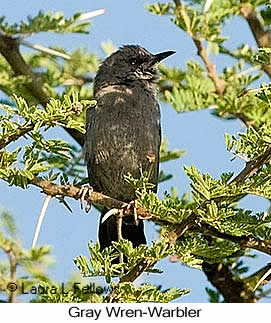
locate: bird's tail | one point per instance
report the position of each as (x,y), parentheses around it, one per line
(131,231)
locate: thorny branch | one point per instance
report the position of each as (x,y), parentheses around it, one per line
(189,224)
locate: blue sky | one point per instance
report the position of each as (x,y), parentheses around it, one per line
(199,133)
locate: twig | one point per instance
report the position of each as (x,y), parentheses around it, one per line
(10,250)
(131,276)
(243,117)
(218,83)
(252,167)
(78,80)
(119,226)
(20,132)
(207,5)
(40,220)
(247,71)
(237,155)
(109,213)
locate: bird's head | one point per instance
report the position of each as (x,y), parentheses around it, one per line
(131,63)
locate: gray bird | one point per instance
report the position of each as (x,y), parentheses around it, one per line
(122,131)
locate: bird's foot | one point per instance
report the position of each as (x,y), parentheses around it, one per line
(133,205)
(85,191)
(120,213)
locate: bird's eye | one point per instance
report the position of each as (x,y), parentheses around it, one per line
(133,62)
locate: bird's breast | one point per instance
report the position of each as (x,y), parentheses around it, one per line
(124,131)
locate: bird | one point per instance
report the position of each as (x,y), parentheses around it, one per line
(122,132)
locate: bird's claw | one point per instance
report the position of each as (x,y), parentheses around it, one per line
(85,190)
(120,212)
(133,204)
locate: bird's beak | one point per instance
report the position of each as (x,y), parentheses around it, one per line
(159,57)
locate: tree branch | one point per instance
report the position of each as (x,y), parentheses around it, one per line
(190,223)
(138,270)
(9,48)
(252,167)
(131,276)
(20,131)
(233,290)
(222,279)
(74,192)
(244,241)
(43,49)
(262,37)
(218,83)
(219,274)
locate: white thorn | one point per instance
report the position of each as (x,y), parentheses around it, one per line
(207,6)
(91,14)
(40,220)
(109,213)
(45,49)
(262,279)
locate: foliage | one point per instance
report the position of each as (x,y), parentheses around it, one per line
(46,22)
(103,263)
(35,122)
